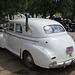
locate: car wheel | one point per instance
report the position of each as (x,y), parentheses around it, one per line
(28,60)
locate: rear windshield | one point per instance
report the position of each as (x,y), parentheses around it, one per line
(53,29)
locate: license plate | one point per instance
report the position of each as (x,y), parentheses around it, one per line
(69,50)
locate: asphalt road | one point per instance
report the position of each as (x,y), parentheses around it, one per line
(12,65)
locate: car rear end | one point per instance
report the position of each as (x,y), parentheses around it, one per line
(61,45)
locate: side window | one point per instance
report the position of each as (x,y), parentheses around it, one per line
(18,28)
(11,27)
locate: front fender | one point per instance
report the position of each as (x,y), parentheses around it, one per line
(40,56)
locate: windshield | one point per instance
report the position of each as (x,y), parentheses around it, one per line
(53,29)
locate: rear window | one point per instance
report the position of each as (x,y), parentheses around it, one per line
(53,29)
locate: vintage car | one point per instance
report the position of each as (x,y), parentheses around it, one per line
(41,42)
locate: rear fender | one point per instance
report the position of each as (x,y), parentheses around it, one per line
(40,56)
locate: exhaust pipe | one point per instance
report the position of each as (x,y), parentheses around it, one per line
(27,16)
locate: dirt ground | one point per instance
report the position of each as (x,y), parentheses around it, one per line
(12,65)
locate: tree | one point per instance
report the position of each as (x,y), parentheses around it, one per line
(41,7)
(12,7)
(73,11)
(44,7)
(65,7)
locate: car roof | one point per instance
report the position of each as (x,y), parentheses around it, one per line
(36,25)
(36,21)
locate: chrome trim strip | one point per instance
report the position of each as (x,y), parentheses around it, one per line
(21,37)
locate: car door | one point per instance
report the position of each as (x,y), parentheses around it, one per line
(17,38)
(9,37)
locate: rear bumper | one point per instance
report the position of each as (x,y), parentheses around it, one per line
(63,64)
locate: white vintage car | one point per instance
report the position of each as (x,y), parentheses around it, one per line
(42,42)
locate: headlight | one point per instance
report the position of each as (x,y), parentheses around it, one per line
(48,29)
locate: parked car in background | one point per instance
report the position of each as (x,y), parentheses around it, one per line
(72,25)
(41,42)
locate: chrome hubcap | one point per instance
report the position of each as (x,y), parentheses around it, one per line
(29,59)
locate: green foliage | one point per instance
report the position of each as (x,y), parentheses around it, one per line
(66,7)
(44,7)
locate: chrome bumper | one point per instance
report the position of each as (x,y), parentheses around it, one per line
(64,64)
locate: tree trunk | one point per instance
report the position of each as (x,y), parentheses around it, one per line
(13,17)
(36,15)
(44,15)
(10,16)
(51,15)
(32,15)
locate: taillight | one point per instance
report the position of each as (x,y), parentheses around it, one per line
(46,42)
(53,57)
